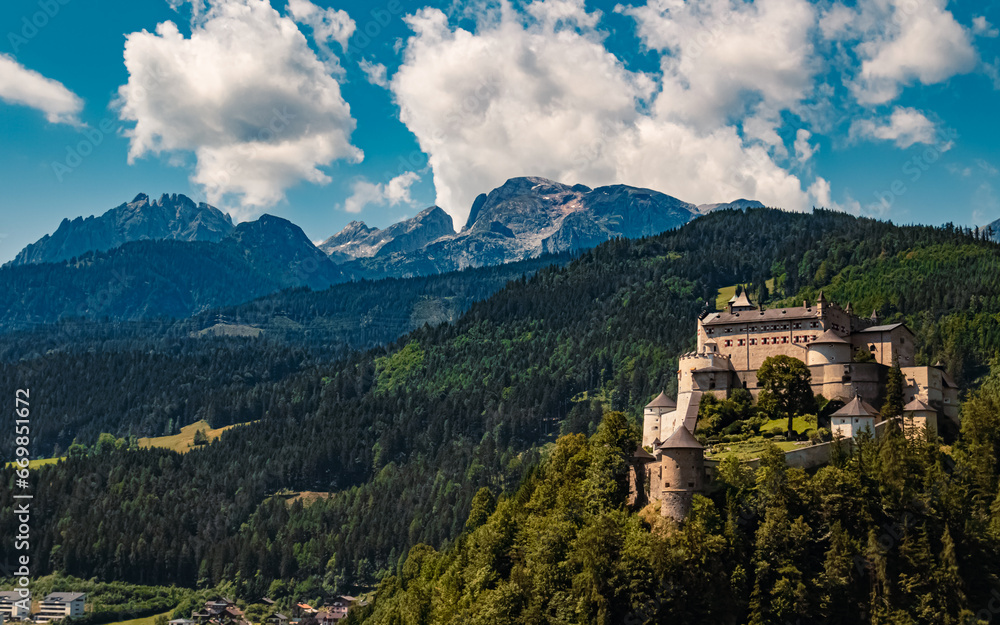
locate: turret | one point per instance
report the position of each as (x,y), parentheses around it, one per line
(652,418)
(918,417)
(828,348)
(682,473)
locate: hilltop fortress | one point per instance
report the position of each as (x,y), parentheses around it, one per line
(831,340)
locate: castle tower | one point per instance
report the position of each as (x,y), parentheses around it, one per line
(682,473)
(828,348)
(652,418)
(917,417)
(638,476)
(854,418)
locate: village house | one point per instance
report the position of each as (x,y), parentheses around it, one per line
(13,606)
(59,605)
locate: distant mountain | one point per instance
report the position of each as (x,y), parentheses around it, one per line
(165,278)
(740,204)
(358,240)
(994,228)
(174,217)
(522,219)
(279,250)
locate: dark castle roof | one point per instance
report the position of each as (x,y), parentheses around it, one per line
(642,454)
(917,406)
(857,407)
(681,439)
(662,401)
(828,337)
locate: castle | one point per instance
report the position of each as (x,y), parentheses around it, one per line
(832,341)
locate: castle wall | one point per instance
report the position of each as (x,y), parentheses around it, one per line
(842,381)
(930,386)
(887,347)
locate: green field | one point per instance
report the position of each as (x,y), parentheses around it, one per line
(800,424)
(149,620)
(726,293)
(748,450)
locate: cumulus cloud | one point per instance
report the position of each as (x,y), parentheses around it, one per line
(803,149)
(392,193)
(539,94)
(905,127)
(328,26)
(900,42)
(721,57)
(982,28)
(19,85)
(245,93)
(375,72)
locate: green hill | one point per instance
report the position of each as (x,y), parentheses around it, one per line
(404,436)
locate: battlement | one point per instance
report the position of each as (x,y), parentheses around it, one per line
(703,355)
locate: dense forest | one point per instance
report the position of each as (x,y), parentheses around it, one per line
(898,532)
(151,377)
(404,436)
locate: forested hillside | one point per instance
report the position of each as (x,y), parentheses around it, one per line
(405,436)
(152,377)
(895,533)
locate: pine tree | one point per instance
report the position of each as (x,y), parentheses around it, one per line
(893,406)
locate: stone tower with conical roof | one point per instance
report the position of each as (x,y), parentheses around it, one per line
(652,418)
(678,473)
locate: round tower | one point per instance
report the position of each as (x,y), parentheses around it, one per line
(652,418)
(828,348)
(682,473)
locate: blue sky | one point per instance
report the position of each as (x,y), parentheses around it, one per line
(331,111)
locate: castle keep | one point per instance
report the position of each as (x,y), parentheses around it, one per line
(733,344)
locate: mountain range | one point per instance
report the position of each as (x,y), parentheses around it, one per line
(174,258)
(523,218)
(174,217)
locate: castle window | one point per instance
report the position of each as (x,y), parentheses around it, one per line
(729,343)
(729,329)
(753,341)
(741,342)
(763,341)
(690,484)
(710,331)
(784,339)
(797,326)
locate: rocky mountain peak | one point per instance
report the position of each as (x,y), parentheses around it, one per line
(171,217)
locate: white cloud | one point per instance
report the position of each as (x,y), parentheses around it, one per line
(556,13)
(982,28)
(392,193)
(906,126)
(899,42)
(530,96)
(245,93)
(328,26)
(722,57)
(803,149)
(376,72)
(19,85)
